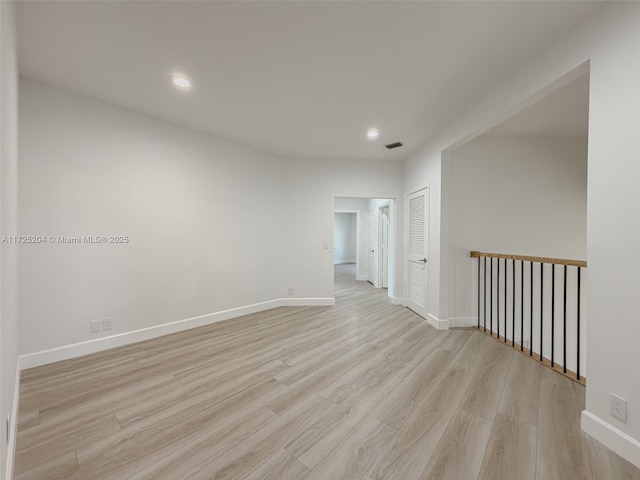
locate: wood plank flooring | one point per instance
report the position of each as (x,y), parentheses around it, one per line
(364,390)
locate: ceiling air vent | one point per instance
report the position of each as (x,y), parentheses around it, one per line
(394,145)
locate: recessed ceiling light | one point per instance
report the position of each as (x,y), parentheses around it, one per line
(181,82)
(372,133)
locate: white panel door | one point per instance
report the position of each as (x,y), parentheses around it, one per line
(371,243)
(417,248)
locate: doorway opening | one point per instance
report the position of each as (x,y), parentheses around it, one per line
(345,237)
(364,238)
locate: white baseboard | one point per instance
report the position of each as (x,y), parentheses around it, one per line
(13,426)
(97,345)
(361,278)
(307,302)
(462,322)
(437,323)
(341,262)
(397,300)
(613,438)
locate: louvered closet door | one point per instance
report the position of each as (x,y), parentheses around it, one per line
(417,212)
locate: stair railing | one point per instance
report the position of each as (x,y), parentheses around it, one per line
(526,313)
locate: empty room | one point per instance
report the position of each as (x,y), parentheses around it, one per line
(320,240)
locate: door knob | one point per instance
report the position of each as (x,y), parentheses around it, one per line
(423,260)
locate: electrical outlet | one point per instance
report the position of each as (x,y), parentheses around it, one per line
(290,291)
(619,407)
(94,326)
(325,245)
(107,323)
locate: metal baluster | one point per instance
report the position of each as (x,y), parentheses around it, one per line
(491,298)
(498,299)
(513,302)
(578,340)
(484,318)
(478,292)
(564,323)
(506,271)
(531,317)
(541,306)
(522,305)
(553,302)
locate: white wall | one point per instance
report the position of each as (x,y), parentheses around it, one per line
(212,225)
(345,238)
(8,225)
(605,45)
(203,216)
(515,195)
(613,232)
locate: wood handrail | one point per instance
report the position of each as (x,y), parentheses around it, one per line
(557,261)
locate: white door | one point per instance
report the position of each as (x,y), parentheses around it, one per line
(416,254)
(383,235)
(371,245)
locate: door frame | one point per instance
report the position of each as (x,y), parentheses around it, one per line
(372,261)
(380,255)
(394,292)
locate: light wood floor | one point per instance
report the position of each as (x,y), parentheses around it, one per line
(363,390)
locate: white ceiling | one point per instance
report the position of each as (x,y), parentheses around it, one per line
(563,114)
(301,79)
